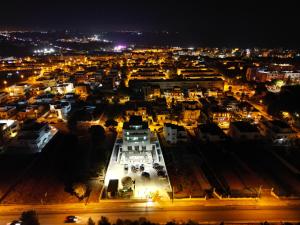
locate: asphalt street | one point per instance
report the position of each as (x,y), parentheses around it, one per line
(161,213)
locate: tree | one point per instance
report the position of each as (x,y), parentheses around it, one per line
(72,122)
(146,175)
(127,182)
(260,90)
(30,218)
(111,123)
(90,221)
(97,132)
(79,189)
(103,221)
(119,222)
(1,136)
(242,96)
(171,223)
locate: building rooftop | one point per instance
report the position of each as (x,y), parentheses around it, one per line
(174,126)
(280,124)
(243,126)
(6,108)
(248,106)
(211,128)
(135,122)
(177,80)
(33,126)
(217,109)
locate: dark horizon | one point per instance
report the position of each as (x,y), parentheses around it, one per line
(249,23)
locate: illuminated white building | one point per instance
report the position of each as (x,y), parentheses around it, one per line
(8,128)
(285,72)
(174,133)
(135,153)
(136,146)
(61,109)
(64,88)
(32,138)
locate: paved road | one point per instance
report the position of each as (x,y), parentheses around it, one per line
(52,215)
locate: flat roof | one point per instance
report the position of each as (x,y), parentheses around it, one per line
(245,127)
(211,128)
(33,126)
(280,124)
(176,80)
(174,126)
(135,121)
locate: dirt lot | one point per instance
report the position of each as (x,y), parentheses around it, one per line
(273,173)
(229,175)
(11,168)
(184,169)
(233,169)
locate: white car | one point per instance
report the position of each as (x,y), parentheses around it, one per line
(15,222)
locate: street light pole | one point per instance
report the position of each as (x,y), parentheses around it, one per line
(259,191)
(172,193)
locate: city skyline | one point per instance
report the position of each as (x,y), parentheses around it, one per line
(213,23)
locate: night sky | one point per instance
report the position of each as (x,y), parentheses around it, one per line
(244,23)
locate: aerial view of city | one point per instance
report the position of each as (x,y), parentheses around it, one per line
(149,112)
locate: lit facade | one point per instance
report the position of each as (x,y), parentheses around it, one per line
(174,133)
(136,153)
(61,109)
(31,139)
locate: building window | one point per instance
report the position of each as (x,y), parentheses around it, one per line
(129,148)
(136,148)
(143,147)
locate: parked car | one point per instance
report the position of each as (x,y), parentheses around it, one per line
(161,174)
(15,222)
(134,169)
(142,167)
(71,219)
(146,175)
(126,167)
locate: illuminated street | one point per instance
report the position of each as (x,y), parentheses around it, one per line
(163,213)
